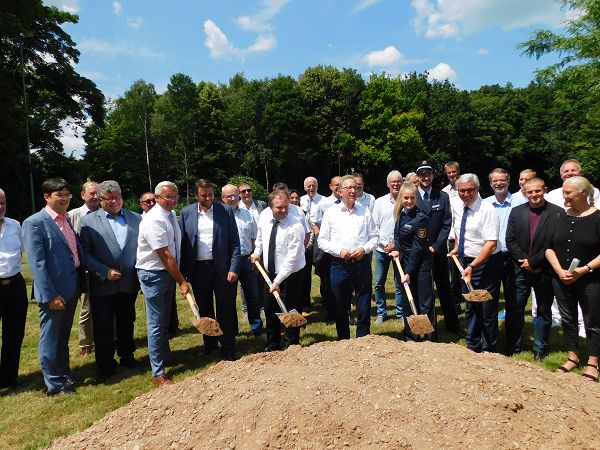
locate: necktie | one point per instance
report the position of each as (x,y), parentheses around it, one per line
(426,197)
(271,262)
(308,205)
(461,238)
(174,225)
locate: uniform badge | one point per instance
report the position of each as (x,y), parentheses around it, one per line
(422,233)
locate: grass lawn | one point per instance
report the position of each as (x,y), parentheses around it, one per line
(32,420)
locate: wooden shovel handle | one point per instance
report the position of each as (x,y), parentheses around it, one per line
(193,305)
(462,271)
(269,283)
(411,300)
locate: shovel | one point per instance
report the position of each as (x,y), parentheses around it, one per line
(291,319)
(474,295)
(204,325)
(418,323)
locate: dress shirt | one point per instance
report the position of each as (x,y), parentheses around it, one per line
(482,225)
(252,209)
(315,211)
(247,230)
(62,221)
(555,197)
(450,190)
(119,227)
(157,232)
(383,216)
(347,228)
(295,211)
(11,246)
(422,193)
(205,234)
(518,198)
(326,203)
(366,200)
(503,211)
(289,245)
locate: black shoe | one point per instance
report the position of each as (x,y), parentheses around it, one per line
(176,333)
(63,391)
(70,382)
(10,384)
(539,356)
(206,352)
(229,356)
(272,348)
(129,362)
(351,320)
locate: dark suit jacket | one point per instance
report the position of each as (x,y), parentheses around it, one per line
(226,241)
(50,259)
(103,252)
(517,235)
(439,218)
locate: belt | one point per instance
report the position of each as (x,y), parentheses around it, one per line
(204,261)
(8,280)
(246,256)
(346,261)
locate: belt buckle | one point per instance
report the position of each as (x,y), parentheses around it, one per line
(5,282)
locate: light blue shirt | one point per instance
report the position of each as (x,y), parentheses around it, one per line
(503,211)
(246,229)
(119,227)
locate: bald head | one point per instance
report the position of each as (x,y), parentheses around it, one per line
(230,194)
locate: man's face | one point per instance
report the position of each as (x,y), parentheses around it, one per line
(2,206)
(569,170)
(231,197)
(534,192)
(147,202)
(523,178)
(310,187)
(59,200)
(360,184)
(246,193)
(90,196)
(499,183)
(425,178)
(452,173)
(167,198)
(467,192)
(408,198)
(349,192)
(334,186)
(280,207)
(295,199)
(206,197)
(112,202)
(394,185)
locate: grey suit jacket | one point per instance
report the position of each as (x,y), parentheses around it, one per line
(75,215)
(103,252)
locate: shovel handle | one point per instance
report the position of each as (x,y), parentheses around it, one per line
(406,287)
(462,272)
(193,305)
(269,283)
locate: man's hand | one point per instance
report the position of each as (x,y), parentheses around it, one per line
(57,304)
(274,288)
(184,288)
(357,253)
(345,254)
(113,275)
(232,277)
(394,254)
(254,257)
(405,278)
(389,247)
(432,250)
(467,274)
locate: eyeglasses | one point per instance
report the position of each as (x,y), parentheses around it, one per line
(61,195)
(150,201)
(232,197)
(350,188)
(467,191)
(246,191)
(169,198)
(116,198)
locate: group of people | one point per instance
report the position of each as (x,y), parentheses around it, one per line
(102,254)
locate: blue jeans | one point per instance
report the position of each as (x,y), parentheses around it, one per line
(158,287)
(249,284)
(382,265)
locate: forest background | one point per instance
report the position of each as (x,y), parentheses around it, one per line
(326,122)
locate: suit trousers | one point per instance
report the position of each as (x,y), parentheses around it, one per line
(291,295)
(323,270)
(482,317)
(13,312)
(55,329)
(307,281)
(421,286)
(205,283)
(117,309)
(86,327)
(441,276)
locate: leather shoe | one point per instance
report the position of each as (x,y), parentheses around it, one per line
(272,348)
(538,356)
(63,391)
(130,362)
(162,380)
(206,352)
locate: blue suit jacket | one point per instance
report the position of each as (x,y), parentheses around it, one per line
(50,260)
(103,252)
(226,241)
(439,218)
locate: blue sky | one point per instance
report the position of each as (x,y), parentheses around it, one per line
(470,42)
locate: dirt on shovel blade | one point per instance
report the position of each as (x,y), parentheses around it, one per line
(208,326)
(478,295)
(293,320)
(419,324)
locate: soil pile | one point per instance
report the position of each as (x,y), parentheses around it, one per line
(374,392)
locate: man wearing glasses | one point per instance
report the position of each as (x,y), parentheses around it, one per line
(109,239)
(476,226)
(157,261)
(255,207)
(55,259)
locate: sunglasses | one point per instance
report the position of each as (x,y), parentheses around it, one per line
(244,191)
(149,202)
(467,191)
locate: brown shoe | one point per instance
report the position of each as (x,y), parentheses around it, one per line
(162,380)
(85,352)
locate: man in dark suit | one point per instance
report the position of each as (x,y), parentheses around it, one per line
(436,204)
(528,227)
(109,239)
(56,263)
(210,259)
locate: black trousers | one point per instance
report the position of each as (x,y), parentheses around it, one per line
(307,280)
(323,270)
(106,310)
(13,312)
(441,276)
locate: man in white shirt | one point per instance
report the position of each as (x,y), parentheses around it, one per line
(570,168)
(383,216)
(13,297)
(280,242)
(349,235)
(158,253)
(476,225)
(452,171)
(255,207)
(335,196)
(363,198)
(147,201)
(519,198)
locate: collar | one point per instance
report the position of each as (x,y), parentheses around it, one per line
(210,210)
(507,200)
(53,214)
(475,204)
(422,192)
(110,216)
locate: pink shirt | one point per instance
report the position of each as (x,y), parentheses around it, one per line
(62,220)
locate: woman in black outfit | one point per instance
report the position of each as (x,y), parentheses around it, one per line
(577,235)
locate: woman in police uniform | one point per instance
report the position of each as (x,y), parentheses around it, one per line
(410,241)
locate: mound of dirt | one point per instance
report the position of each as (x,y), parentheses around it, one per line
(374,392)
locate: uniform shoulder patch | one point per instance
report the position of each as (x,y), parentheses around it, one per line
(422,232)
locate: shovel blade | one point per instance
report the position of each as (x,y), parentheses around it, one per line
(208,326)
(420,324)
(292,319)
(478,295)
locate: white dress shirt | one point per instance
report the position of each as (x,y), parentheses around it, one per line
(518,199)
(482,225)
(383,216)
(252,209)
(450,190)
(247,230)
(315,211)
(326,203)
(156,231)
(205,235)
(366,200)
(295,211)
(11,246)
(347,228)
(289,245)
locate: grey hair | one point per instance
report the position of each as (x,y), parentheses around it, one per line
(582,185)
(2,192)
(162,184)
(307,179)
(108,186)
(344,178)
(393,173)
(468,178)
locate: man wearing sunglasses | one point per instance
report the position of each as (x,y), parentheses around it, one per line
(147,201)
(255,207)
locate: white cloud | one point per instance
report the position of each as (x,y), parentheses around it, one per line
(441,72)
(453,19)
(95,76)
(71,139)
(220,47)
(364,4)
(135,22)
(387,57)
(117,8)
(259,22)
(117,48)
(482,52)
(70,6)
(262,44)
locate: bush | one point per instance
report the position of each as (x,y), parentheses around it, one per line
(258,190)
